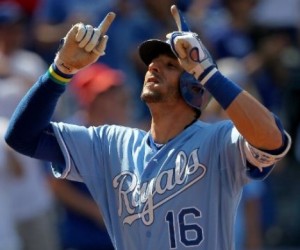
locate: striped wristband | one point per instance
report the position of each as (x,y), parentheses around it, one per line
(57,76)
(222,89)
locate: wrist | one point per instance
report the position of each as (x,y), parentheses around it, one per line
(206,74)
(58,76)
(64,68)
(222,89)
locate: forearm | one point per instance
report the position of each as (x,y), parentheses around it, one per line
(33,114)
(252,119)
(255,122)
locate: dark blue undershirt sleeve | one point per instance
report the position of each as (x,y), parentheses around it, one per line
(30,131)
(48,148)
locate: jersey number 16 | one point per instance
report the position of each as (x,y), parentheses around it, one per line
(189,234)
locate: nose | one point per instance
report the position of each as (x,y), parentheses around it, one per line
(153,66)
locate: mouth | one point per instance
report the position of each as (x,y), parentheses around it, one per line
(152,79)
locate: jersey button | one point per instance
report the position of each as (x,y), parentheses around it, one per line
(148,234)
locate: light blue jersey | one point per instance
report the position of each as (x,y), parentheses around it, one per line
(182,196)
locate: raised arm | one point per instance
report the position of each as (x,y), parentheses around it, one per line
(265,141)
(30,131)
(257,124)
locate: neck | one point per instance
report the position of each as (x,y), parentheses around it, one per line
(167,124)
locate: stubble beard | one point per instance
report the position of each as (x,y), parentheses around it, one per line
(151,97)
(157,97)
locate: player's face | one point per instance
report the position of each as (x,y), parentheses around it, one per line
(161,82)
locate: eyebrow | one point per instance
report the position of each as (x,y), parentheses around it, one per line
(175,61)
(172,59)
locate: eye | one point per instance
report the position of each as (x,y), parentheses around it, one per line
(171,65)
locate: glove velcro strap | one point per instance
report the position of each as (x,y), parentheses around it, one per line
(222,89)
(207,73)
(57,76)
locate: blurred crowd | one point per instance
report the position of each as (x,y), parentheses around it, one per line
(256,43)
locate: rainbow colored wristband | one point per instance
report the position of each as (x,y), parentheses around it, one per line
(222,89)
(57,76)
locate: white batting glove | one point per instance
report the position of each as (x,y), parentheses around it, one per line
(192,55)
(82,46)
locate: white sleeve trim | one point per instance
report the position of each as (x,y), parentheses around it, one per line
(262,159)
(64,149)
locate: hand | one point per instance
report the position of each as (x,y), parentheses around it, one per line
(192,54)
(83,45)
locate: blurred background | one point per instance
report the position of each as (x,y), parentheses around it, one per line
(256,43)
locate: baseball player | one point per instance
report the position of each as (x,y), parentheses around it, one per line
(176,186)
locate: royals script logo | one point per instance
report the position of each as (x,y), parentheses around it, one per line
(132,194)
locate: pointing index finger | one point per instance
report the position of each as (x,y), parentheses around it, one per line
(176,16)
(105,24)
(179,19)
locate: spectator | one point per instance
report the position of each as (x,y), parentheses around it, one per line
(27,212)
(32,207)
(9,237)
(18,66)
